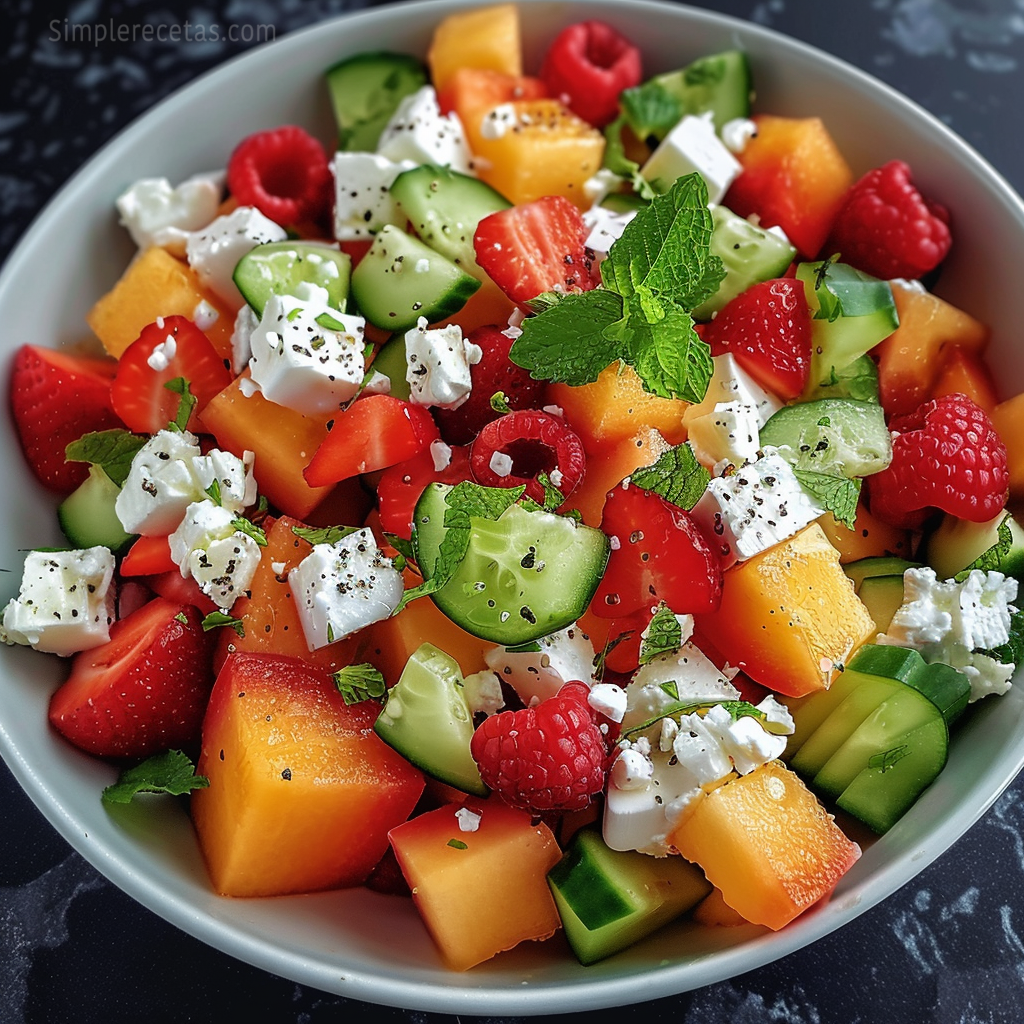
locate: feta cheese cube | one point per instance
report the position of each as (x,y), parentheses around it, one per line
(605,227)
(214,252)
(65,603)
(363,203)
(731,383)
(482,691)
(692,145)
(229,475)
(438,363)
(754,507)
(537,675)
(420,133)
(341,587)
(730,433)
(609,700)
(307,357)
(156,213)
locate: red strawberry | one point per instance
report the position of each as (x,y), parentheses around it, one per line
(550,757)
(495,372)
(56,398)
(168,348)
(284,173)
(587,67)
(142,692)
(768,330)
(400,487)
(886,228)
(535,442)
(946,455)
(535,247)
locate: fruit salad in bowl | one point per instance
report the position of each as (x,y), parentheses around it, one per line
(529,512)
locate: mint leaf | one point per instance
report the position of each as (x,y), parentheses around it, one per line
(243,525)
(330,323)
(357,683)
(835,494)
(180,386)
(670,358)
(991,558)
(214,491)
(664,635)
(170,772)
(616,161)
(499,403)
(402,546)
(677,476)
(112,450)
(214,620)
(553,497)
(324,534)
(650,109)
(842,290)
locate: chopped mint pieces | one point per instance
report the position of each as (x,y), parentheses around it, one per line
(171,772)
(361,682)
(112,450)
(677,476)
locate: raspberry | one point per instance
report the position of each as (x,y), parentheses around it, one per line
(534,442)
(284,173)
(945,455)
(550,757)
(887,229)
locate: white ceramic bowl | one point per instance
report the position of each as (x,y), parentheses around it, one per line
(357,943)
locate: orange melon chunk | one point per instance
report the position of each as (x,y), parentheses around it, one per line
(789,617)
(1008,419)
(481,892)
(767,844)
(965,372)
(868,538)
(486,38)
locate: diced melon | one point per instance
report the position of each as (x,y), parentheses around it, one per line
(1008,419)
(965,372)
(487,38)
(158,284)
(868,538)
(714,912)
(789,617)
(767,844)
(484,891)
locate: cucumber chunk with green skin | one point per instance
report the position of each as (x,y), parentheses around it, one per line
(391,360)
(609,899)
(87,515)
(749,254)
(957,543)
(365,92)
(877,565)
(882,596)
(401,279)
(831,435)
(852,312)
(444,208)
(858,380)
(281,268)
(524,575)
(427,720)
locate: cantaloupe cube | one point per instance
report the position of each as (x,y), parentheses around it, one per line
(1008,419)
(868,538)
(487,38)
(714,912)
(965,372)
(302,791)
(767,844)
(911,359)
(484,891)
(789,617)
(157,284)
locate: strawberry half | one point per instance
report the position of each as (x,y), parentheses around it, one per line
(55,398)
(142,692)
(535,247)
(167,348)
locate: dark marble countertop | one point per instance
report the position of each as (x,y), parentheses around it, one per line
(947,948)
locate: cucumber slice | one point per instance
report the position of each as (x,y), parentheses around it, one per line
(882,595)
(852,313)
(749,254)
(858,380)
(87,514)
(365,92)
(427,720)
(832,435)
(444,208)
(279,268)
(877,565)
(609,899)
(525,574)
(401,279)
(956,543)
(392,361)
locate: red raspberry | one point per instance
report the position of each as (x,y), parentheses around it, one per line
(886,228)
(495,372)
(536,442)
(945,455)
(550,757)
(284,173)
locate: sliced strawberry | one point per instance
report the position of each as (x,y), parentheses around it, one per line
(167,348)
(768,330)
(148,556)
(142,692)
(56,398)
(179,589)
(535,247)
(400,487)
(495,372)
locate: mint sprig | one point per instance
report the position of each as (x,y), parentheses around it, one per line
(836,494)
(171,772)
(180,386)
(112,450)
(676,475)
(664,635)
(357,683)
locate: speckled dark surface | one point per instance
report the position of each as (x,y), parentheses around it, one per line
(947,948)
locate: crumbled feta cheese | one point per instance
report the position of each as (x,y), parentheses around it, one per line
(596,187)
(246,321)
(604,227)
(230,475)
(420,133)
(693,145)
(737,133)
(441,454)
(482,691)
(468,819)
(609,700)
(536,675)
(208,547)
(156,213)
(438,362)
(730,432)
(752,508)
(631,770)
(363,203)
(65,603)
(341,587)
(949,621)
(163,354)
(499,121)
(307,356)
(204,316)
(500,464)
(731,383)
(377,384)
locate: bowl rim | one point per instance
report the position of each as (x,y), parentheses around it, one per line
(516,997)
